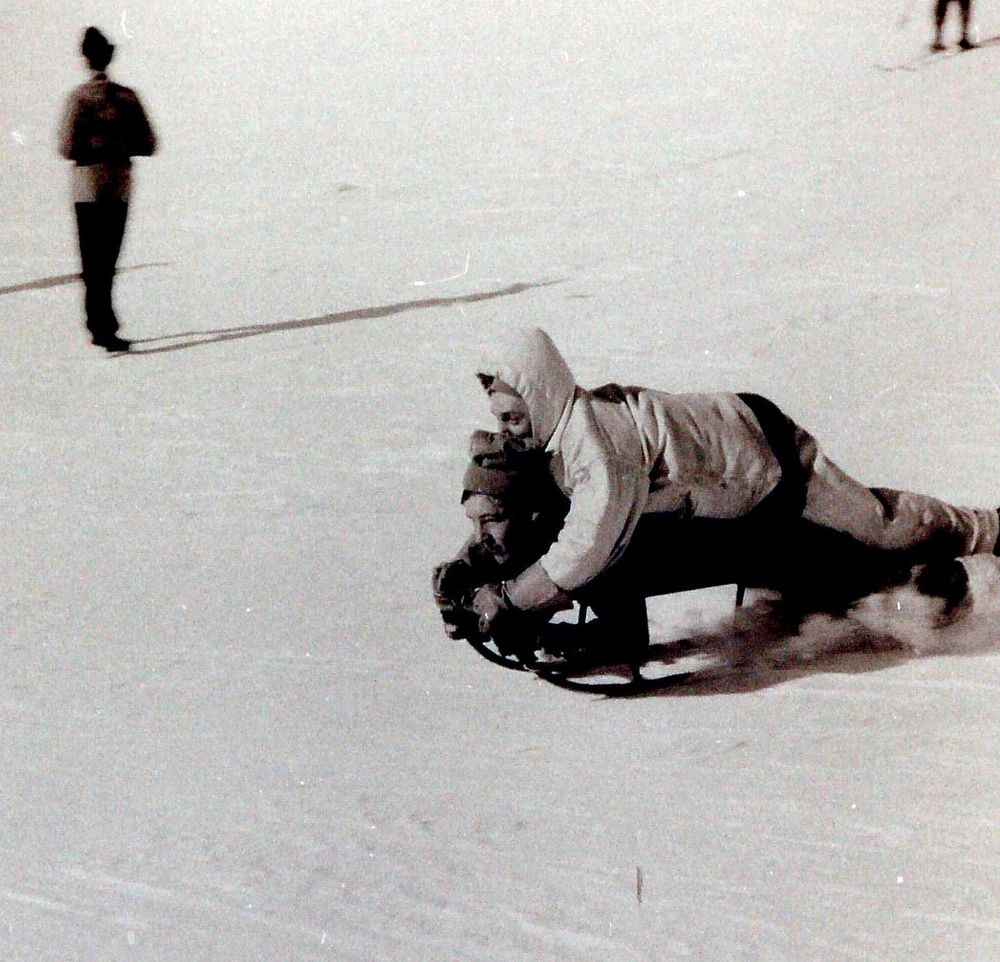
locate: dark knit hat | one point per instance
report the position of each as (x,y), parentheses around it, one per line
(97,49)
(502,469)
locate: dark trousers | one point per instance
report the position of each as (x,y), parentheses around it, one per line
(941,8)
(101,228)
(813,568)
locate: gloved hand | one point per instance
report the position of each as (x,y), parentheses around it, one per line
(512,631)
(489,603)
(453,584)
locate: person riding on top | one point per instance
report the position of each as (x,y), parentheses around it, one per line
(627,457)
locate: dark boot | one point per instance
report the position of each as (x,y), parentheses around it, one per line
(949,581)
(113,344)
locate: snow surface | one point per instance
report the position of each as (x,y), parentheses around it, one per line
(232,726)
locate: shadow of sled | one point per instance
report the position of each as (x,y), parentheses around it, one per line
(760,646)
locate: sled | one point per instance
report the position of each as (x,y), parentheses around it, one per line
(811,567)
(596,672)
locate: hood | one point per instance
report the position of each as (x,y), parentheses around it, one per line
(530,363)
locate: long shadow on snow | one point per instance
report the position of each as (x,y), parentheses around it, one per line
(198,338)
(60,280)
(929,58)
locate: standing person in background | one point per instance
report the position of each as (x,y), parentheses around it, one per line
(940,11)
(104,126)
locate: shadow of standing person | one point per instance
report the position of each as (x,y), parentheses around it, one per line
(103,127)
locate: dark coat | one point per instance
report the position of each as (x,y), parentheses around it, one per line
(105,123)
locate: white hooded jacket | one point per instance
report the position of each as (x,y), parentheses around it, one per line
(647,451)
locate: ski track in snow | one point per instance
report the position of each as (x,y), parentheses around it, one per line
(138,906)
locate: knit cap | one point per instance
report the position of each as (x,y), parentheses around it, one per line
(502,469)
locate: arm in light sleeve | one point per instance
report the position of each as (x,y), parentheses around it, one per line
(534,590)
(605,504)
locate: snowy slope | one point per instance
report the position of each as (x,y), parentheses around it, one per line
(233,727)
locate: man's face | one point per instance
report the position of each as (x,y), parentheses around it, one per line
(495,530)
(511,413)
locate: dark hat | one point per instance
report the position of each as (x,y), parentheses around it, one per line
(503,470)
(96,48)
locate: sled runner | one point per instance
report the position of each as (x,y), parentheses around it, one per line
(570,662)
(940,593)
(812,568)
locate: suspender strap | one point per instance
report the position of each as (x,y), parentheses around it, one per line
(779,431)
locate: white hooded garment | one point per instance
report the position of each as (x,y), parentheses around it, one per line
(701,454)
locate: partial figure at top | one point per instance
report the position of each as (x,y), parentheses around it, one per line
(940,12)
(104,125)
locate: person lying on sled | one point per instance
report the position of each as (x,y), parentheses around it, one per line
(635,462)
(516,512)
